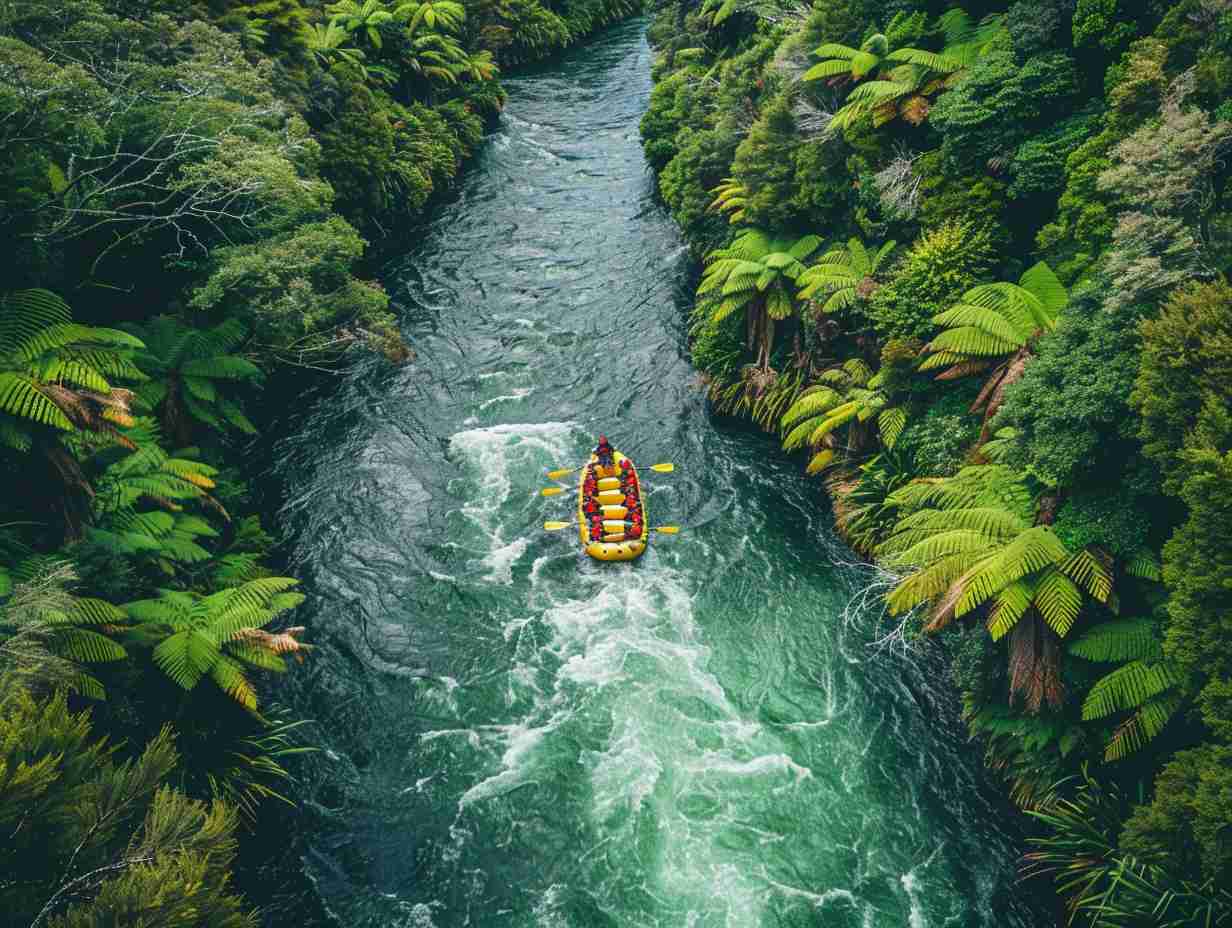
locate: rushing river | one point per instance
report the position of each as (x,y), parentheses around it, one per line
(514,735)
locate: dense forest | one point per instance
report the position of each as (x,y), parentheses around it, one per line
(973,262)
(188,194)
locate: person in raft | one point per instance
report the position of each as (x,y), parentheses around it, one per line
(604,451)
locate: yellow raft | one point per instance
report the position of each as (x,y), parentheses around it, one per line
(614,546)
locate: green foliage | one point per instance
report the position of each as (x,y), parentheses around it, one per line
(973,199)
(1031,750)
(864,511)
(1038,165)
(940,440)
(843,275)
(1097,23)
(999,103)
(1071,405)
(217,635)
(717,345)
(297,294)
(122,847)
(1183,828)
(46,632)
(763,166)
(941,265)
(1197,569)
(1184,383)
(1110,519)
(191,372)
(1106,885)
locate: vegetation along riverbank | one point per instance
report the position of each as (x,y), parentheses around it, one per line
(187,190)
(973,263)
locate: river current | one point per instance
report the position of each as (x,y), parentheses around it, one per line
(513,735)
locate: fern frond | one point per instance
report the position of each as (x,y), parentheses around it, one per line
(1058,601)
(890,424)
(1140,728)
(1090,572)
(19,397)
(1119,640)
(812,402)
(1128,687)
(1011,605)
(925,59)
(82,644)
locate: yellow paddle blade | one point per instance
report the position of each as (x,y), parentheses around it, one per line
(663,468)
(551,491)
(668,529)
(557,474)
(555,526)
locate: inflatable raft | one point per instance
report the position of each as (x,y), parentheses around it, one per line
(610,528)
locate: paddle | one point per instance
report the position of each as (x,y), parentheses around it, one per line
(557,526)
(665,468)
(551,491)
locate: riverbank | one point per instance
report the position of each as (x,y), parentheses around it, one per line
(941,260)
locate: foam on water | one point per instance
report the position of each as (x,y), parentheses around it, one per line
(628,644)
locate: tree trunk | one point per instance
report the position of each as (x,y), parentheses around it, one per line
(72,501)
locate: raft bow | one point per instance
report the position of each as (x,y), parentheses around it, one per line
(615,545)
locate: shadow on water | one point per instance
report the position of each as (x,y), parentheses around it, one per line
(515,736)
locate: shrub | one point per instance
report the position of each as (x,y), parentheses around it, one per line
(932,275)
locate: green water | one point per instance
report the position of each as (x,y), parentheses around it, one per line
(517,736)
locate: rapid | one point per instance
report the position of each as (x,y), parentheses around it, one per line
(513,735)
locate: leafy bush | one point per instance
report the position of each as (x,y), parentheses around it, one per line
(932,275)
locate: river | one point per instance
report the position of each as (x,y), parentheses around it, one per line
(514,735)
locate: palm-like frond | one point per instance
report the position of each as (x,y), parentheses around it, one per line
(1119,640)
(46,632)
(1129,686)
(56,374)
(992,321)
(443,15)
(840,273)
(217,634)
(194,370)
(967,543)
(845,394)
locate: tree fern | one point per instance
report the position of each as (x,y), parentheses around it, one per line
(904,80)
(992,321)
(55,374)
(755,275)
(968,543)
(850,395)
(193,374)
(217,635)
(47,633)
(1146,685)
(843,274)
